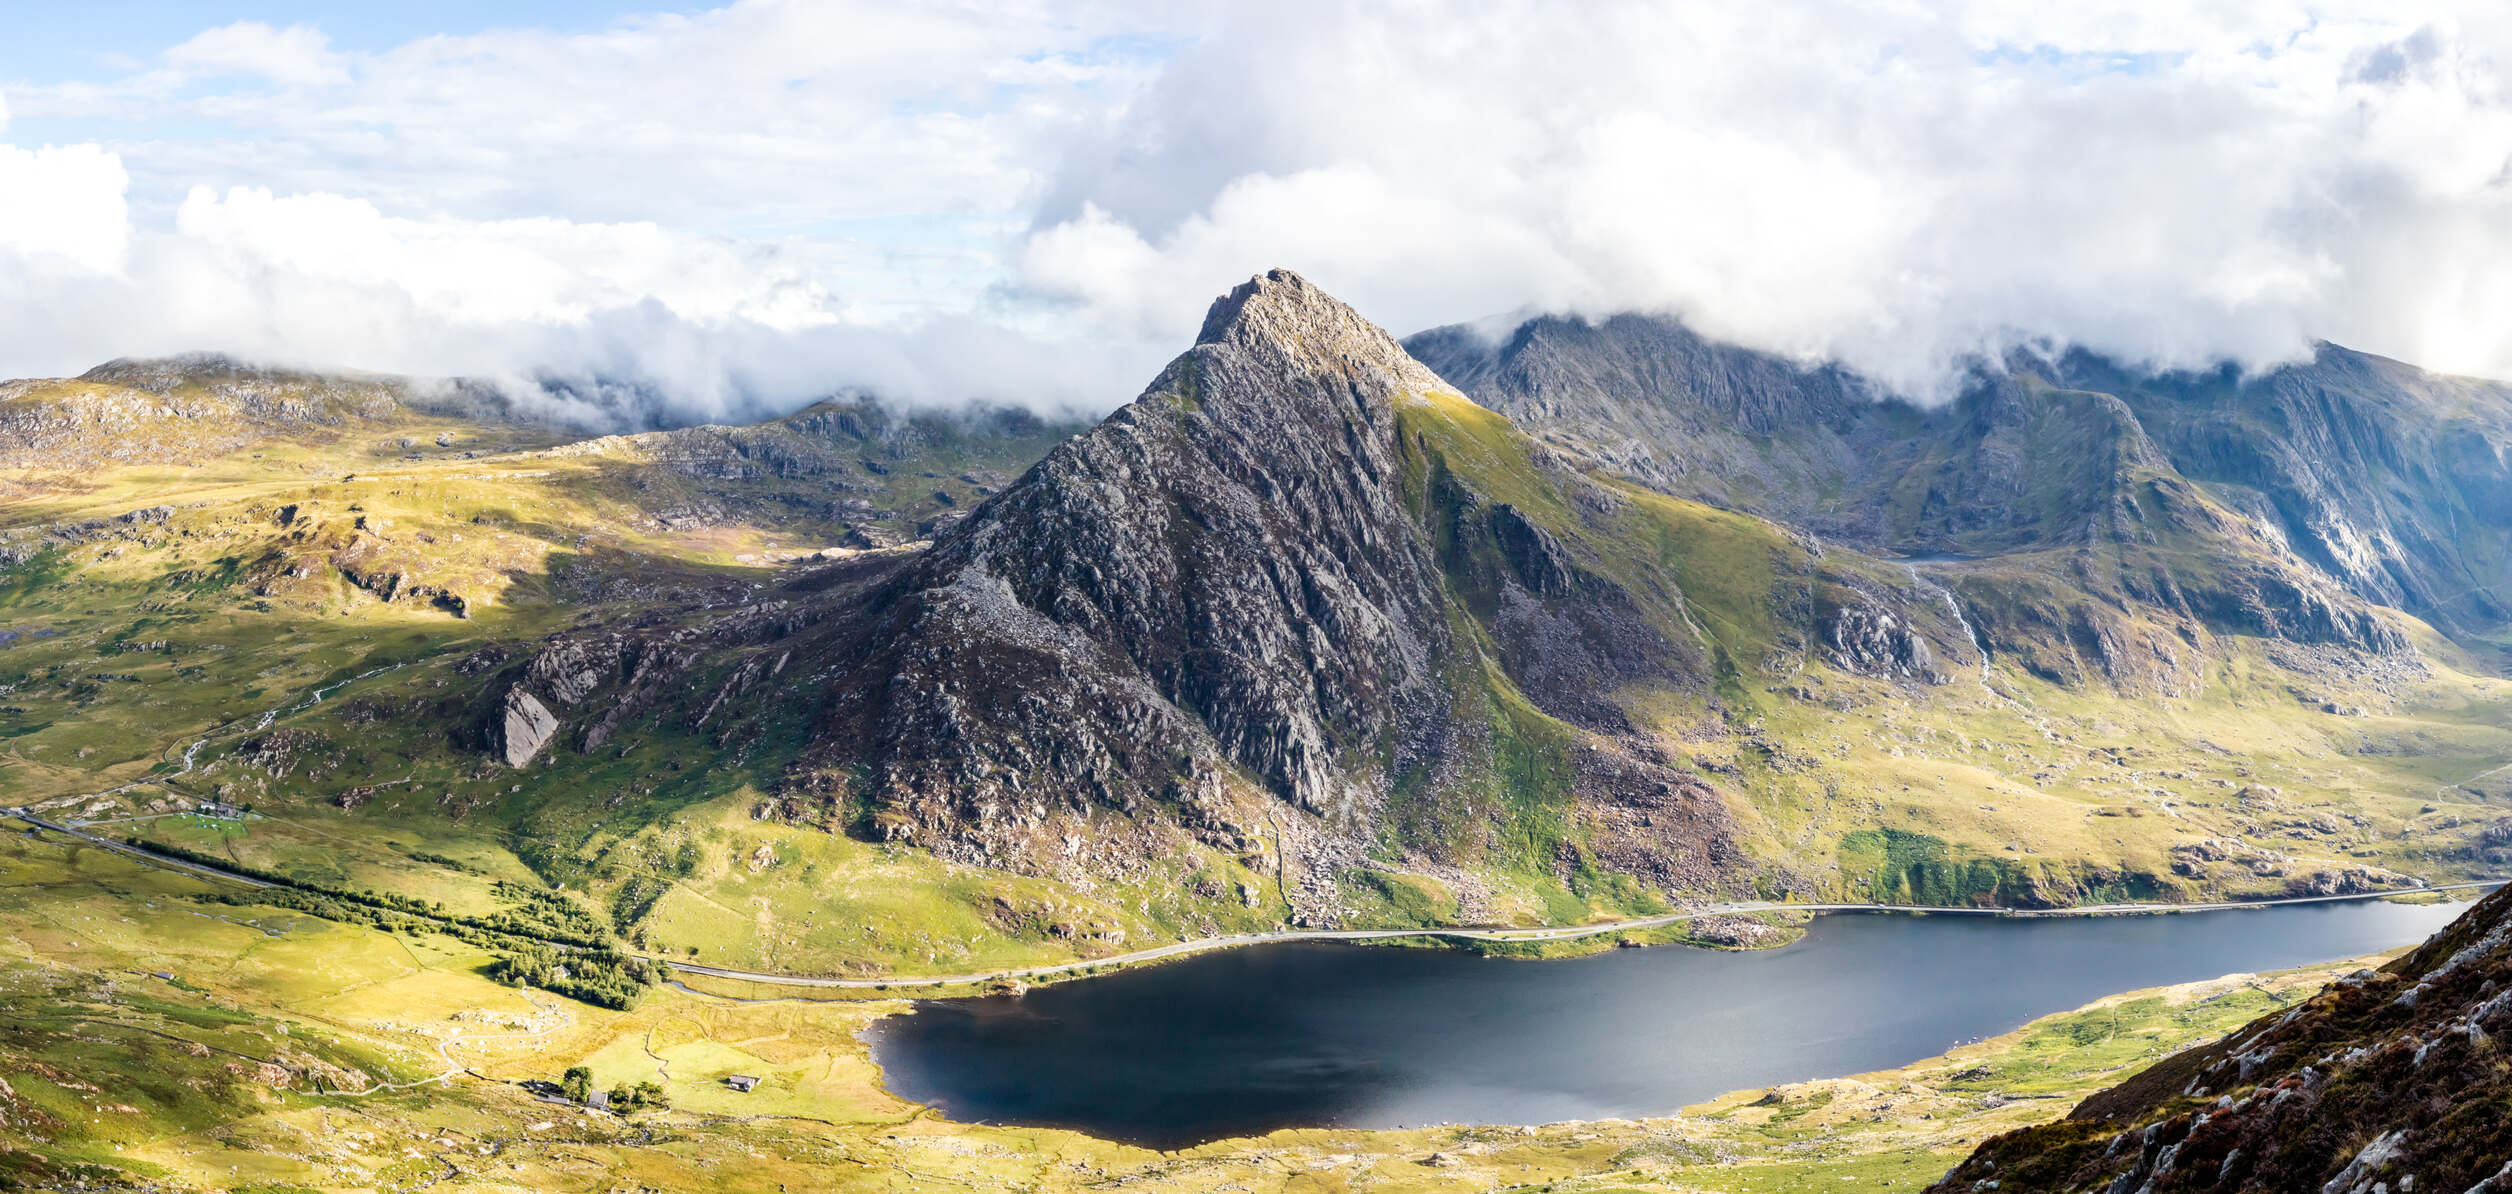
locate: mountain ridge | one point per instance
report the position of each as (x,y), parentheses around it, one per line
(1658,403)
(1303,633)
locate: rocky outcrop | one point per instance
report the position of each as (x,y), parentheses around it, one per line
(524,726)
(2349,880)
(1869,640)
(686,675)
(2388,1080)
(1542,565)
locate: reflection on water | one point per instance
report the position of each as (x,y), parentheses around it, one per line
(1287,1035)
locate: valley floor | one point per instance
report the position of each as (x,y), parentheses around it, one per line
(151,1033)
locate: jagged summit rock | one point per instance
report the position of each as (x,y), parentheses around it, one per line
(1283,321)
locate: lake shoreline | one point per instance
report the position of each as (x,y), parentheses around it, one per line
(1311,1034)
(1571,940)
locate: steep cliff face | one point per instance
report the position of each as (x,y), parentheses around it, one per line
(2389,1080)
(1650,399)
(2392,480)
(2191,506)
(1221,576)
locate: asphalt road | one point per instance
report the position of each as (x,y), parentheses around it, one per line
(145,855)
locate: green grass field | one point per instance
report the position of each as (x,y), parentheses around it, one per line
(288,1052)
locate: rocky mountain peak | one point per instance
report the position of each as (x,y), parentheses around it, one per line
(164,375)
(1219,584)
(1286,323)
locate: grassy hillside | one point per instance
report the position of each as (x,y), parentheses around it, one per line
(313,618)
(155,1032)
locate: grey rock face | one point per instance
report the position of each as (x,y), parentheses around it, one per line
(1539,560)
(2394,481)
(2280,506)
(2388,1079)
(1648,398)
(1250,609)
(1868,640)
(526,726)
(1221,577)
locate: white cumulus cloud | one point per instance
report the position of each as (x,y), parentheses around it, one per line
(1895,186)
(298,55)
(61,209)
(1025,200)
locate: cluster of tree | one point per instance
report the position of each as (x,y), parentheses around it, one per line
(643,1096)
(550,942)
(539,913)
(600,977)
(636,898)
(545,916)
(577,1085)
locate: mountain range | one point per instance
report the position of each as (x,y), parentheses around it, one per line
(1596,617)
(1590,619)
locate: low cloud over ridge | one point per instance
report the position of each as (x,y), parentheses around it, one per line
(749,207)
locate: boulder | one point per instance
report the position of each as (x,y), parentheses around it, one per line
(526,726)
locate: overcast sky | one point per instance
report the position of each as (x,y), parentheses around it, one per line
(752,205)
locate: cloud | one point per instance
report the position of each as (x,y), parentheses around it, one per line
(625,325)
(726,213)
(1894,186)
(61,210)
(746,207)
(297,56)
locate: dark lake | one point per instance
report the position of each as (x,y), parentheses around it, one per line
(1249,1040)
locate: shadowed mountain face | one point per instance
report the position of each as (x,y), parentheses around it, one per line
(2389,1080)
(1649,399)
(2281,494)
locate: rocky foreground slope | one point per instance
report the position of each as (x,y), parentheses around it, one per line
(2390,1080)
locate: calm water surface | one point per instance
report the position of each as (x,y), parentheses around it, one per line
(1274,1036)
